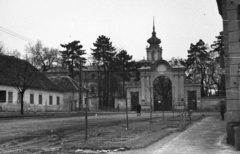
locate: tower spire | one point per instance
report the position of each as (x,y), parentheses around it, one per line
(154,52)
(154,41)
(153,25)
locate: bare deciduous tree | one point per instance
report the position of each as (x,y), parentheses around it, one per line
(42,57)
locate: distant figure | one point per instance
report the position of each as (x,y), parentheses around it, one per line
(138,110)
(222,108)
(118,108)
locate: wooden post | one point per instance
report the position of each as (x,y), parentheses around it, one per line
(126,111)
(86,117)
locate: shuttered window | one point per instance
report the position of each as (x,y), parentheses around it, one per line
(2,96)
(58,100)
(50,100)
(10,97)
(31,99)
(40,99)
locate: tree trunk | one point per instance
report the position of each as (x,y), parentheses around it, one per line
(72,71)
(105,88)
(107,94)
(22,109)
(99,89)
(202,81)
(123,87)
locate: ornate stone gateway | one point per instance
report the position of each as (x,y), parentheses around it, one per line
(162,85)
(165,83)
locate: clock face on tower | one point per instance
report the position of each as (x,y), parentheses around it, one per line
(161,68)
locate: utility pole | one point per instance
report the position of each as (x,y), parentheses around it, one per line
(126,99)
(86,109)
(80,86)
(163,104)
(126,111)
(163,109)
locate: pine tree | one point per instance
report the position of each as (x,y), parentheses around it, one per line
(103,54)
(73,57)
(125,67)
(196,64)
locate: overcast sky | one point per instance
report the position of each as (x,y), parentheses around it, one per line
(128,23)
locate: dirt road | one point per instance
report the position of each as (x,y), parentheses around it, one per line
(19,134)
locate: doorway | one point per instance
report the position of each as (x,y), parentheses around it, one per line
(134,100)
(192,101)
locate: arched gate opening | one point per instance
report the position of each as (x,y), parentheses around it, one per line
(162,94)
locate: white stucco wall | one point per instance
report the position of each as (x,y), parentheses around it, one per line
(71,100)
(15,105)
(211,103)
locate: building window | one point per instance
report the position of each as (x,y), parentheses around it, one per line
(10,97)
(19,98)
(58,100)
(40,99)
(31,99)
(93,76)
(50,100)
(2,96)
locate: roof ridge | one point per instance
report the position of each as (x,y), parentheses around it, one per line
(54,82)
(40,81)
(73,83)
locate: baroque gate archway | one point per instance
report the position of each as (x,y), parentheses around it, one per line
(171,90)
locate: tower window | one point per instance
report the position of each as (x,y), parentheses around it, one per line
(153,58)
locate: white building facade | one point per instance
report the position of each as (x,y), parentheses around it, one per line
(34,100)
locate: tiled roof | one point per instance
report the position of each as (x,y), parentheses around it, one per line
(66,83)
(18,72)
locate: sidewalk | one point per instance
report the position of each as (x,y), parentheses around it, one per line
(205,137)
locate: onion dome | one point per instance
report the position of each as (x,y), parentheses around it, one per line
(154,41)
